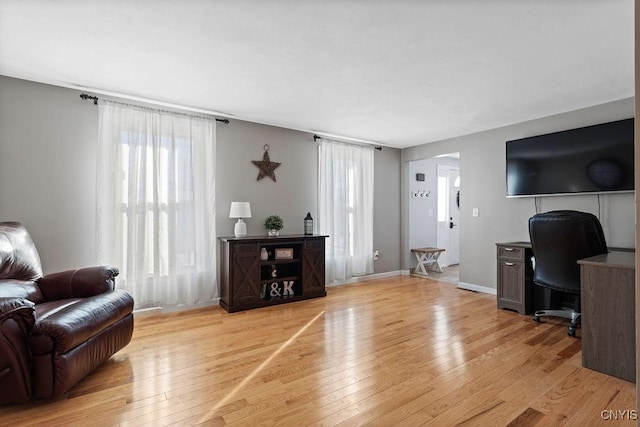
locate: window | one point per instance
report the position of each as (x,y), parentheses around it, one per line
(346,208)
(156,213)
(167,195)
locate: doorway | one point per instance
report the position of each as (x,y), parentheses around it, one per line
(434,211)
(448,202)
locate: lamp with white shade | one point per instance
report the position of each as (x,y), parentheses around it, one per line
(240,210)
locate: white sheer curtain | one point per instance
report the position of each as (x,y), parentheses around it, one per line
(155,203)
(346,208)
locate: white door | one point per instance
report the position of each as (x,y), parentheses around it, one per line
(448,225)
(454,216)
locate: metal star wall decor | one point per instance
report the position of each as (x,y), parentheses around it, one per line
(266,166)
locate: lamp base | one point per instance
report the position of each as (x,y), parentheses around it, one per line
(240,229)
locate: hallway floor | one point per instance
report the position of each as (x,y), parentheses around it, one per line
(450,274)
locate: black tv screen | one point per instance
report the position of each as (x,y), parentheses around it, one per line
(592,159)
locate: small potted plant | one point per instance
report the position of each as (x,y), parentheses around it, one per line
(273,224)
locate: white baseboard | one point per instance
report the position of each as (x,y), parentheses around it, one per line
(368,277)
(477,288)
(145,312)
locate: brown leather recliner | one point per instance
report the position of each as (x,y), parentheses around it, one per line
(54,329)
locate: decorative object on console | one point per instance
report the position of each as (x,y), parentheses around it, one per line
(287,288)
(264,255)
(266,166)
(240,210)
(308,224)
(273,224)
(275,290)
(284,253)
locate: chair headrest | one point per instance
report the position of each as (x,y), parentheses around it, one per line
(570,228)
(19,259)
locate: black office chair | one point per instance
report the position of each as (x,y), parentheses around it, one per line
(559,239)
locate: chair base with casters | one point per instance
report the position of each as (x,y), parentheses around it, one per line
(565,313)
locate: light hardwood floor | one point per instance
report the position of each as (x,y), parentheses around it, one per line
(399,351)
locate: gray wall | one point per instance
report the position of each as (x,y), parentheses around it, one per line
(48,180)
(48,169)
(295,191)
(386,209)
(292,195)
(482,172)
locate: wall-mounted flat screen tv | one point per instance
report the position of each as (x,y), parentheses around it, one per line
(592,159)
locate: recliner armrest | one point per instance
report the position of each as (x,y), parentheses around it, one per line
(83,319)
(17,318)
(21,310)
(82,283)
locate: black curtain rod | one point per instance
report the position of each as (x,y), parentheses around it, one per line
(86,96)
(316,137)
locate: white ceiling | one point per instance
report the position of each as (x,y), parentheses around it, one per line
(398,73)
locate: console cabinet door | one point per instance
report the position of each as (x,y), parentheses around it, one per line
(245,282)
(313,266)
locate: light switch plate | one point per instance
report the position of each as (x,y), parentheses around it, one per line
(475,212)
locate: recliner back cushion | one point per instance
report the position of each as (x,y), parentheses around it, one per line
(19,259)
(21,289)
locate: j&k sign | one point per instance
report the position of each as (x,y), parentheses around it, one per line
(282,289)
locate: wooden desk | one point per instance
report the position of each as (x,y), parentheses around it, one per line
(608,314)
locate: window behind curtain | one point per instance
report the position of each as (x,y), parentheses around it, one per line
(156,203)
(346,208)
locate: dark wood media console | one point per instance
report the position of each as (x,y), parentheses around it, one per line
(294,270)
